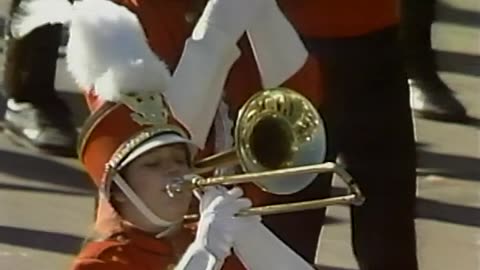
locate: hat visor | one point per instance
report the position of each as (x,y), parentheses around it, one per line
(158,141)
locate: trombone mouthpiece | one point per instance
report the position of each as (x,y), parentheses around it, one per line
(174,189)
(180,185)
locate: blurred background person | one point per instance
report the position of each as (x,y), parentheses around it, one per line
(36,117)
(368,119)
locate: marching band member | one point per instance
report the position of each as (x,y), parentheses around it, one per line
(133,147)
(206,42)
(366,98)
(270,54)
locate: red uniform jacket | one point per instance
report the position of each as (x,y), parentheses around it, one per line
(340,18)
(135,250)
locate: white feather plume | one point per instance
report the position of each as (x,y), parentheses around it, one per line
(134,77)
(107,49)
(108,44)
(36,13)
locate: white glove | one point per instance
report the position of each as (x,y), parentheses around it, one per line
(231,17)
(217,229)
(277,47)
(218,226)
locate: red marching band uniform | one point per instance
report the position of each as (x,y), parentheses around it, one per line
(270,54)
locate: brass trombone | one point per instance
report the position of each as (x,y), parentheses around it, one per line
(278,134)
(354,198)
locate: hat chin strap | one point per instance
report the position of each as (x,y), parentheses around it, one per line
(140,205)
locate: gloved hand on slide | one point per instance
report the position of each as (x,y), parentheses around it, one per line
(218,225)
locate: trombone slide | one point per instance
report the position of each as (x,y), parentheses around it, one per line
(354,198)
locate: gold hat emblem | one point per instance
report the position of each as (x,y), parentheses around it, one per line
(149,108)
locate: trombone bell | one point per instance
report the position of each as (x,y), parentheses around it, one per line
(275,129)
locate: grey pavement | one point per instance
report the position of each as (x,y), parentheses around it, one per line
(46,202)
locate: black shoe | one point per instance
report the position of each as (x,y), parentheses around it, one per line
(47,130)
(433,99)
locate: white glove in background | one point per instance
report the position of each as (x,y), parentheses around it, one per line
(206,61)
(277,47)
(231,17)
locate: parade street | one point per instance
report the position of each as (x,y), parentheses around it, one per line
(46,203)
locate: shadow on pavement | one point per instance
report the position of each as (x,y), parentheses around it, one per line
(467,64)
(455,62)
(472,121)
(448,165)
(450,14)
(441,211)
(14,187)
(41,240)
(38,169)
